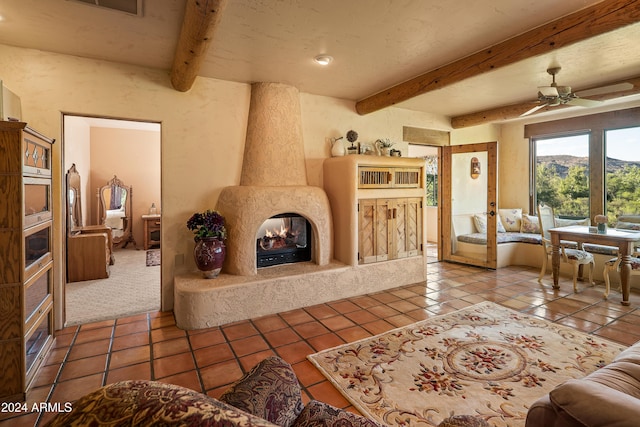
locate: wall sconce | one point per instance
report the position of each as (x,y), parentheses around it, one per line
(475,168)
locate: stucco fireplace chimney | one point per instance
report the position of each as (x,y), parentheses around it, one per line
(273,180)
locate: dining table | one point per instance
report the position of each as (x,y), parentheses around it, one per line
(624,240)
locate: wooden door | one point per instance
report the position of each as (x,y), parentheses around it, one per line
(469,175)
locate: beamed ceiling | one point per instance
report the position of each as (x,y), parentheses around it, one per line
(475,62)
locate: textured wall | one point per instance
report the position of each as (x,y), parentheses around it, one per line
(274,149)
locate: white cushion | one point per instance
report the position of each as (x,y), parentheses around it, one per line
(511,219)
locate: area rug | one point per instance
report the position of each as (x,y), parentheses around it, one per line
(153,257)
(485,360)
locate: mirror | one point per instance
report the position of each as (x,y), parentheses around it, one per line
(74,203)
(115,212)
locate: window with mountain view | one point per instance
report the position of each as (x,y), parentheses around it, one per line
(622,172)
(587,165)
(562,174)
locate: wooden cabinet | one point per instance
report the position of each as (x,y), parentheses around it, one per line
(26,256)
(377,208)
(389,228)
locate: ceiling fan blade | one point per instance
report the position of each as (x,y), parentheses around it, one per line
(619,87)
(582,102)
(548,90)
(534,109)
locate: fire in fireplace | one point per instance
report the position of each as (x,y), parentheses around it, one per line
(283,239)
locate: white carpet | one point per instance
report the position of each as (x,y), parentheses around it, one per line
(131,288)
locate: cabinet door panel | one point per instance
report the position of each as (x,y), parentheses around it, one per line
(413,226)
(400,226)
(383,233)
(367,231)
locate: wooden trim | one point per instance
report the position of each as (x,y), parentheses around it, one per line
(611,120)
(516,110)
(600,18)
(200,21)
(425,136)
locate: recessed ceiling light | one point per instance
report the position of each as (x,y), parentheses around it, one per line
(323,59)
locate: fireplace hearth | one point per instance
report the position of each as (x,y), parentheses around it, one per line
(283,239)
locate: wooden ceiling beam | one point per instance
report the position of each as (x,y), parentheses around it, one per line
(200,21)
(600,18)
(516,110)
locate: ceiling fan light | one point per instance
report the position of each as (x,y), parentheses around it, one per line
(323,60)
(564,90)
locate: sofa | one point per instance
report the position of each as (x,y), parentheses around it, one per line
(519,240)
(609,396)
(268,395)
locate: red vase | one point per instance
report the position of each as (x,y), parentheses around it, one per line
(209,255)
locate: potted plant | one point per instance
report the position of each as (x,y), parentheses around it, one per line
(384,145)
(352,137)
(210,233)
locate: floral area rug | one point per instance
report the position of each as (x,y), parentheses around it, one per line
(485,360)
(153,257)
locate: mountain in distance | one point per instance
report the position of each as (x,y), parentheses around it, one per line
(562,163)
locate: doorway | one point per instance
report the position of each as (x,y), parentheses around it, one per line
(107,150)
(469,204)
(431,155)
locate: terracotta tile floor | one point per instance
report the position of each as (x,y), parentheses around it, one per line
(150,346)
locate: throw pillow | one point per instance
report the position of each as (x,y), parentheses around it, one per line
(628,225)
(530,224)
(563,222)
(319,414)
(511,219)
(480,221)
(270,390)
(463,421)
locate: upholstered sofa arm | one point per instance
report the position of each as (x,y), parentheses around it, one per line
(593,404)
(150,403)
(270,390)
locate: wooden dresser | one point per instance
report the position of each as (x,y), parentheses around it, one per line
(152,223)
(26,256)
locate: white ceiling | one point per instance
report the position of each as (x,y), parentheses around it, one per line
(375,44)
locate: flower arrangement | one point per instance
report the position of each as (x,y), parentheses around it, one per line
(207,224)
(600,219)
(384,143)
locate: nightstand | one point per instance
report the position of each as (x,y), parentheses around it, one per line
(151,230)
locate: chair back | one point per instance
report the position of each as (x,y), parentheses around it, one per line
(546,219)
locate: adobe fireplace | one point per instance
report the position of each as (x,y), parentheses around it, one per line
(283,239)
(274,132)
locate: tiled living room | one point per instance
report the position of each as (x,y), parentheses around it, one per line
(150,346)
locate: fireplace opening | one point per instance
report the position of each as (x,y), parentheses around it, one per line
(283,239)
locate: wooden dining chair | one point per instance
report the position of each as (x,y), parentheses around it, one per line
(614,265)
(575,257)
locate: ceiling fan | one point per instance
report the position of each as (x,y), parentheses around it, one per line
(553,95)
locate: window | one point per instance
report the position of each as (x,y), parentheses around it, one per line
(586,166)
(622,172)
(562,174)
(431,172)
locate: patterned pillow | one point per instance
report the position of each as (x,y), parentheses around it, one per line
(530,224)
(463,421)
(152,403)
(270,390)
(319,414)
(562,222)
(628,225)
(511,219)
(480,221)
